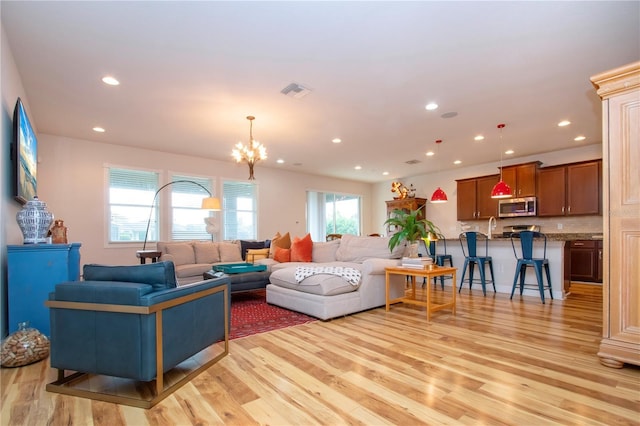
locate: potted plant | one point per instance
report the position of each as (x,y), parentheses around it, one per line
(410,228)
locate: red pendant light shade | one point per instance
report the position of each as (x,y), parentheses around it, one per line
(501,189)
(439,196)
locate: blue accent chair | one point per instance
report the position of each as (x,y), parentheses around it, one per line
(133,322)
(475,248)
(531,241)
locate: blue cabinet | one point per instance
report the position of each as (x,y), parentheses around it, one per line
(33,270)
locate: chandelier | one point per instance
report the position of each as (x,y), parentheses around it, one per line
(251,153)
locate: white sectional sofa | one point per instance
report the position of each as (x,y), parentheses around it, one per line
(327,296)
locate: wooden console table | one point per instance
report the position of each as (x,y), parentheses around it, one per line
(430,271)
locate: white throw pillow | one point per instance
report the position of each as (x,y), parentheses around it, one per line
(229,252)
(325,252)
(357,249)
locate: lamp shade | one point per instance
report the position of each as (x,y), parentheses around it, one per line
(501,190)
(211,203)
(439,196)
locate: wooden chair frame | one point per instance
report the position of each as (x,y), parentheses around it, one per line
(64,384)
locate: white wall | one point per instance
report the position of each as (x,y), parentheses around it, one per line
(9,232)
(445,215)
(71,181)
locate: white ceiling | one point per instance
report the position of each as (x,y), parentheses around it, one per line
(191,72)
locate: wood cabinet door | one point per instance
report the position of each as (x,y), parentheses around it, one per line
(521,179)
(486,205)
(466,199)
(584,261)
(526,179)
(584,191)
(551,191)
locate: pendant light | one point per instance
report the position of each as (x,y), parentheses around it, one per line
(501,189)
(439,195)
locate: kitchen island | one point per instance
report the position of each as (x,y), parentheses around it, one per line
(504,264)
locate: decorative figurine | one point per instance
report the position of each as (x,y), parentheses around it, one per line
(398,187)
(58,232)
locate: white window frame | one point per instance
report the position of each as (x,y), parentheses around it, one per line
(144,196)
(209,183)
(317,210)
(231,215)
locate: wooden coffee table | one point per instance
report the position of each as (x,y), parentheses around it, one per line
(428,272)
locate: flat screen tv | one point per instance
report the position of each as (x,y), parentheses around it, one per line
(25,149)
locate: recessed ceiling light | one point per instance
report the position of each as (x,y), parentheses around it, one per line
(111,81)
(358,167)
(478,138)
(579,138)
(564,123)
(430,154)
(457,162)
(431,106)
(449,114)
(509,152)
(336,140)
(98,129)
(280,161)
(385,173)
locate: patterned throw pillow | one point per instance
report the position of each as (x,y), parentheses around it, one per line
(301,249)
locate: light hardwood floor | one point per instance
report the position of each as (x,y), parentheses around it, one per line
(495,362)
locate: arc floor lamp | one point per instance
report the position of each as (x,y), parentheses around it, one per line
(208,203)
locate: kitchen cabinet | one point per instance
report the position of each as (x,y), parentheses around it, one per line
(521,178)
(620,93)
(474,198)
(406,204)
(586,260)
(570,189)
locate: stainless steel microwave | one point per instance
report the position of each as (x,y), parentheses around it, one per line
(515,207)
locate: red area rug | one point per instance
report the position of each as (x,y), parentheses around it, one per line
(250,314)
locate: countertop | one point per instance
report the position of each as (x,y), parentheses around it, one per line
(559,237)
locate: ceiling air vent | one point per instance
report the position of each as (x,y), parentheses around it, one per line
(295,90)
(411,162)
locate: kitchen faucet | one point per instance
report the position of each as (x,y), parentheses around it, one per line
(490,228)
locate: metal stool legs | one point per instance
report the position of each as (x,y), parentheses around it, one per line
(481,262)
(538,265)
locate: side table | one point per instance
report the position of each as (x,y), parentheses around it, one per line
(427,272)
(143,255)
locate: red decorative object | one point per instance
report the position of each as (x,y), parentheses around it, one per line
(501,189)
(439,196)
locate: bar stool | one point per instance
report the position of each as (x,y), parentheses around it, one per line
(469,242)
(440,259)
(531,241)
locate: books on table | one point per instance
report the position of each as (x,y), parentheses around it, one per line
(416,262)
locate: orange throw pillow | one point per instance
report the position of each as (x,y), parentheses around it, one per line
(282,241)
(282,255)
(301,249)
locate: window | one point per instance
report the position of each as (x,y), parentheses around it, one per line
(239,206)
(187,216)
(130,195)
(332,214)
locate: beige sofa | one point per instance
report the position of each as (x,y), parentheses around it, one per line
(327,296)
(194,258)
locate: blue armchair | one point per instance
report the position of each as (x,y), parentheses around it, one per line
(133,322)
